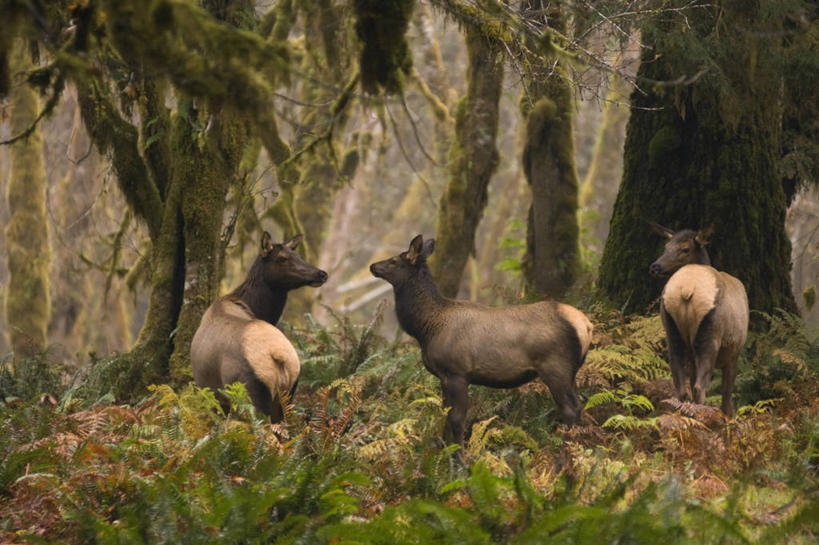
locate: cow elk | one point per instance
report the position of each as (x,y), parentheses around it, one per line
(465,343)
(237,339)
(704,312)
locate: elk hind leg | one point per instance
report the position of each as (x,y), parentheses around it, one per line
(728,361)
(561,386)
(677,355)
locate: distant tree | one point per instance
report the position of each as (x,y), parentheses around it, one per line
(472,161)
(27,301)
(703,147)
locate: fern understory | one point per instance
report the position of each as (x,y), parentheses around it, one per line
(359,457)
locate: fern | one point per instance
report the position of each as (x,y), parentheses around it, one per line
(622,422)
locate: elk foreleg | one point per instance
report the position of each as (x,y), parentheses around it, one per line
(456,398)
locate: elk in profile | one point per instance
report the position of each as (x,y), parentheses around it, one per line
(465,343)
(704,312)
(237,339)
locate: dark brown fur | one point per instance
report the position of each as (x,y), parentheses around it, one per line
(465,343)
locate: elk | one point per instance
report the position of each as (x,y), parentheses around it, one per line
(237,339)
(704,313)
(465,343)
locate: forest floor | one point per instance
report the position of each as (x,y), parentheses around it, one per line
(359,458)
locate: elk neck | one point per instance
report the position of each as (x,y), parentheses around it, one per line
(265,302)
(420,306)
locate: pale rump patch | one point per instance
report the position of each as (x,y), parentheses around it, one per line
(581,324)
(271,356)
(688,296)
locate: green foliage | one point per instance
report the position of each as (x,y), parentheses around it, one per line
(779,360)
(25,378)
(359,458)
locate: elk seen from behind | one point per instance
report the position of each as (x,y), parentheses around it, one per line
(465,343)
(237,339)
(704,313)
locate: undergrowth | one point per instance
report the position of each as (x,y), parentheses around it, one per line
(359,457)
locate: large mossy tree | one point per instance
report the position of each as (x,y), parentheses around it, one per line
(702,147)
(177,96)
(180,96)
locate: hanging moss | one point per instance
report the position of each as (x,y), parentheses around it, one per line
(664,143)
(28,254)
(385,59)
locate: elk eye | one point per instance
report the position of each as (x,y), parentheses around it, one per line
(281,259)
(686,250)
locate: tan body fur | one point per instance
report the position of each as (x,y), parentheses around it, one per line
(705,315)
(230,340)
(505,347)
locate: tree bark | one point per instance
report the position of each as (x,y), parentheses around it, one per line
(28,254)
(552,260)
(704,153)
(599,188)
(473,160)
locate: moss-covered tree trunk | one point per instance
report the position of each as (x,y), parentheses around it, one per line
(473,160)
(702,149)
(205,174)
(552,259)
(27,305)
(175,169)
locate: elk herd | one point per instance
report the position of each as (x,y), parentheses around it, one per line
(704,313)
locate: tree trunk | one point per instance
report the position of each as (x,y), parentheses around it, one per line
(599,188)
(705,153)
(473,160)
(28,254)
(552,260)
(205,174)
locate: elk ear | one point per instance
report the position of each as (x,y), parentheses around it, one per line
(660,230)
(429,247)
(267,245)
(294,242)
(416,249)
(703,234)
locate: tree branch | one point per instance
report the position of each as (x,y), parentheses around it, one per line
(114,136)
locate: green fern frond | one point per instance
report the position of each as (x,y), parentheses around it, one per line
(622,422)
(601,398)
(480,436)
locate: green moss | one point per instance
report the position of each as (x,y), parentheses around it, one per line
(385,58)
(473,159)
(705,165)
(664,142)
(28,254)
